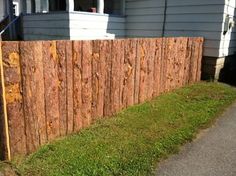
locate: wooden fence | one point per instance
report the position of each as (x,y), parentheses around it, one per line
(54,88)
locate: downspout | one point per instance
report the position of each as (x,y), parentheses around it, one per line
(164,19)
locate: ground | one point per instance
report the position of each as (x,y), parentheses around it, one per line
(7,169)
(213,153)
(134,140)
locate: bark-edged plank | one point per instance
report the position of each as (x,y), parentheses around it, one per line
(52,83)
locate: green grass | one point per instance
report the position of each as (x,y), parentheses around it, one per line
(132,142)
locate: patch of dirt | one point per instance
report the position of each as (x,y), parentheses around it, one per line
(6,169)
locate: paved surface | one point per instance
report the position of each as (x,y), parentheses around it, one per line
(213,153)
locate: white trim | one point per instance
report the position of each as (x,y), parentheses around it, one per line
(100,6)
(69,5)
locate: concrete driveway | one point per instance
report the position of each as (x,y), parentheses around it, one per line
(213,153)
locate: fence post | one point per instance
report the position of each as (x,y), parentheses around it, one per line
(4,135)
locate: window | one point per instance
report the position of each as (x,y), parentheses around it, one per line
(110,6)
(57,5)
(114,7)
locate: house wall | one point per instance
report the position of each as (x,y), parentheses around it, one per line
(228,41)
(144,19)
(183,18)
(74,26)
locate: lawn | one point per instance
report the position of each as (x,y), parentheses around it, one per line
(133,141)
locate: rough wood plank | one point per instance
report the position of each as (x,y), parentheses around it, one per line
(69,87)
(86,82)
(170,69)
(181,55)
(13,95)
(137,72)
(187,62)
(164,64)
(200,55)
(77,85)
(62,92)
(106,48)
(150,68)
(129,64)
(98,80)
(190,60)
(51,81)
(95,78)
(115,76)
(121,56)
(143,55)
(101,82)
(33,94)
(157,68)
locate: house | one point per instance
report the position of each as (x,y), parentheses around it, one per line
(108,19)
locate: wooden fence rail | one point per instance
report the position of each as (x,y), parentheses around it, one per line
(54,88)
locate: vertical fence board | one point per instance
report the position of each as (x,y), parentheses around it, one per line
(86,82)
(32,75)
(115,76)
(157,68)
(69,87)
(163,64)
(61,56)
(170,58)
(182,47)
(101,83)
(77,85)
(194,59)
(188,61)
(150,68)
(106,48)
(129,67)
(95,77)
(200,53)
(51,82)
(98,80)
(122,103)
(13,87)
(143,54)
(137,73)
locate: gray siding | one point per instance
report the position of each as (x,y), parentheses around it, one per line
(184,18)
(74,26)
(144,18)
(46,26)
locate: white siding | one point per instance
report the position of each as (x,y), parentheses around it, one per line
(184,18)
(74,26)
(95,26)
(228,41)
